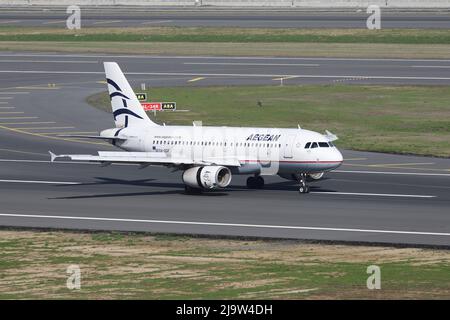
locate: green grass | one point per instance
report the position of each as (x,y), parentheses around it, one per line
(395,119)
(239,35)
(196,268)
(288,42)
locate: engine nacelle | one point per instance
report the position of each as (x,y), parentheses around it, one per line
(316,176)
(208,177)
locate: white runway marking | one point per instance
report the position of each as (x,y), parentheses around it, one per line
(393,172)
(39,182)
(376,194)
(438,67)
(222,224)
(50,61)
(253,64)
(9,21)
(54,22)
(156,22)
(44,128)
(107,22)
(249,75)
(17,123)
(15,118)
(6,92)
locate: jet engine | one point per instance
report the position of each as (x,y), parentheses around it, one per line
(315,176)
(208,177)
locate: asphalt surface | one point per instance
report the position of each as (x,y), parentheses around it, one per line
(27,68)
(223,17)
(373,197)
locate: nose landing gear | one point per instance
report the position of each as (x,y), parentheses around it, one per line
(304,188)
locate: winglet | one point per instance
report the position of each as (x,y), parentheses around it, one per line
(52,156)
(330,136)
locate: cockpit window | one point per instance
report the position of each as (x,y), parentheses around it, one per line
(307,145)
(314,145)
(323,145)
(331,144)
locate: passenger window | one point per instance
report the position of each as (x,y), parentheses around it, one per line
(323,145)
(307,145)
(314,145)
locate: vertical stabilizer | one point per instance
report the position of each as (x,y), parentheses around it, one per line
(127,109)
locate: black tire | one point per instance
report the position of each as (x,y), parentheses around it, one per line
(251,182)
(303,189)
(259,182)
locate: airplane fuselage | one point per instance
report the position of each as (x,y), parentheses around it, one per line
(265,151)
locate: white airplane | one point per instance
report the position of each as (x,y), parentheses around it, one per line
(209,156)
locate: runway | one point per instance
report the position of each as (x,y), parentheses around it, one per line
(29,68)
(373,197)
(223,17)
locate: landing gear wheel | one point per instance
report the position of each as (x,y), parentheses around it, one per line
(255,182)
(304,188)
(259,182)
(251,182)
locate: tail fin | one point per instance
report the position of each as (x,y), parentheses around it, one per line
(127,109)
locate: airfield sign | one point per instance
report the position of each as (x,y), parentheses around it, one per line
(159,106)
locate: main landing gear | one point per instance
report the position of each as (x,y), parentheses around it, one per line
(256,182)
(304,188)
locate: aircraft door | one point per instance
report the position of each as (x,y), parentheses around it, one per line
(289,145)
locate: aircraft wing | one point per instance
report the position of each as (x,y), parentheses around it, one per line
(148,158)
(330,136)
(89,137)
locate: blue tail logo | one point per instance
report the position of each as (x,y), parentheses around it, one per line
(127,112)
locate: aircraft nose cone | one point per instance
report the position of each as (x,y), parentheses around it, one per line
(338,158)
